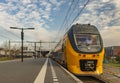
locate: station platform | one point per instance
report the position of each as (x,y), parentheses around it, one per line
(41,70)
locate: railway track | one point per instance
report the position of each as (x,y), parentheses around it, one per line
(107,77)
(90,79)
(87,79)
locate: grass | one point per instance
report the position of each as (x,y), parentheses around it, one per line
(114,64)
(5,58)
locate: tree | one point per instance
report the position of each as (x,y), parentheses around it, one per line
(5,46)
(118,59)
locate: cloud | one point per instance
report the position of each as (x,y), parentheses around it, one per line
(91,13)
(40,34)
(105,0)
(7,20)
(56,4)
(105,14)
(26,1)
(40,15)
(29,13)
(110,36)
(117,3)
(106,11)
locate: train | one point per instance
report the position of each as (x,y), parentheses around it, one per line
(81,50)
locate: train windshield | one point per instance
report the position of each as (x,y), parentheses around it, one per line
(88,42)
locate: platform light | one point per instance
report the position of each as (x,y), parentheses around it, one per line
(22,38)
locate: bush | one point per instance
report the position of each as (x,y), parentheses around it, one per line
(113,60)
(5,58)
(118,59)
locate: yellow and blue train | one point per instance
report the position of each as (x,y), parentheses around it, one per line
(81,50)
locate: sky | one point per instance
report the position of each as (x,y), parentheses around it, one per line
(52,18)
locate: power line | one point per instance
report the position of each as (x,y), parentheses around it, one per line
(60,28)
(10,33)
(78,14)
(69,16)
(80,11)
(67,21)
(4,37)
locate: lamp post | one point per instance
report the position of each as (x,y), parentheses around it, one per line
(22,38)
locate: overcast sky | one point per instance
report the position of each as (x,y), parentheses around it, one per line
(48,17)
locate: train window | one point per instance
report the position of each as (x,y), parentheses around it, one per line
(87,41)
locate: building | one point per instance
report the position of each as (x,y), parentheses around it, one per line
(112,51)
(16,52)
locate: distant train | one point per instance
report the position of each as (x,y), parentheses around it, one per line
(81,50)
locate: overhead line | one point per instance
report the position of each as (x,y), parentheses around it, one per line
(68,14)
(78,14)
(4,36)
(10,33)
(80,11)
(71,14)
(13,33)
(64,19)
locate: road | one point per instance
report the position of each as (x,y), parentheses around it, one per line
(42,70)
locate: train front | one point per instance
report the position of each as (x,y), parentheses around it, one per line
(86,52)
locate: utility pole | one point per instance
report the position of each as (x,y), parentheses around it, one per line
(9,49)
(40,48)
(35,55)
(41,45)
(35,50)
(22,38)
